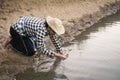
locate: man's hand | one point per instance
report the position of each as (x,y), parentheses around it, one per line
(61,56)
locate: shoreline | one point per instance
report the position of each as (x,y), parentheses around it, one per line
(90,19)
(77,17)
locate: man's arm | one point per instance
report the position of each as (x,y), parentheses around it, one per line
(56,43)
(42,48)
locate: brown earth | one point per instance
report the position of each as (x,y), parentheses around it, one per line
(77,15)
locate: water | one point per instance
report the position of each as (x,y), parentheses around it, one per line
(94,55)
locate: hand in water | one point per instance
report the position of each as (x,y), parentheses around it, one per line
(62,56)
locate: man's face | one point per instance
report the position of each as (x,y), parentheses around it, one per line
(51,31)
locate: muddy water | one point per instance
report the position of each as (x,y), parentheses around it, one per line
(94,55)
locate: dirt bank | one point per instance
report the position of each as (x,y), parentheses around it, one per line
(77,15)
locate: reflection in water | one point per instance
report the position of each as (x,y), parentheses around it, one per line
(94,55)
(44,72)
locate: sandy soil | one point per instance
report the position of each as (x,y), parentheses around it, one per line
(77,15)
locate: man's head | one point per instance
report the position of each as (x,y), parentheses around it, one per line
(56,25)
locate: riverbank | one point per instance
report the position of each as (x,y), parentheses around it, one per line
(77,16)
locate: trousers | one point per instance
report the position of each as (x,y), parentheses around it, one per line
(23,44)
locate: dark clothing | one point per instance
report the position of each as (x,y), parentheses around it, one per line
(22,43)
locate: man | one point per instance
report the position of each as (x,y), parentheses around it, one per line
(39,29)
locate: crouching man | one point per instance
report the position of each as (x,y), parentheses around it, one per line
(27,29)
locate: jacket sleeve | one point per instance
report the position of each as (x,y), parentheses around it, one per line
(56,43)
(42,46)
